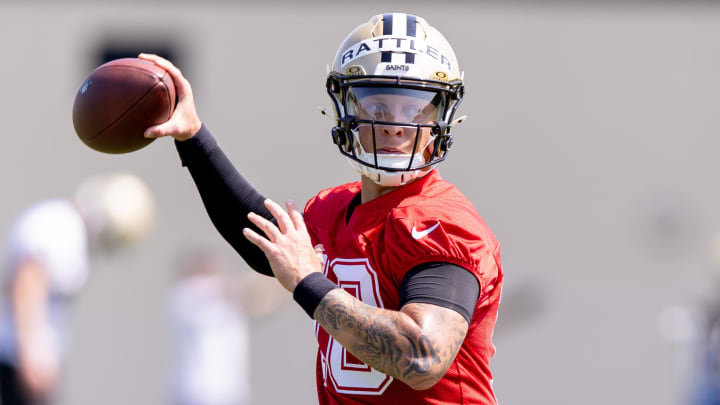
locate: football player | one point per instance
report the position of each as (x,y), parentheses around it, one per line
(47,264)
(398,270)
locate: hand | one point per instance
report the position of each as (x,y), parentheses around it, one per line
(38,376)
(184,122)
(287,246)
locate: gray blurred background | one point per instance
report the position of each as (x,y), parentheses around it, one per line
(590,150)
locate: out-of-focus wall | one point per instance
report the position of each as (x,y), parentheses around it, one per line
(590,149)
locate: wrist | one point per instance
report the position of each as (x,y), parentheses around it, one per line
(311,290)
(197,148)
(192,131)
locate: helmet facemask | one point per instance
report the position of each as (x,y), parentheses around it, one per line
(380,109)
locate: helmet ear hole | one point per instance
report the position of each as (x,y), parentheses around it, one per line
(444,143)
(341,138)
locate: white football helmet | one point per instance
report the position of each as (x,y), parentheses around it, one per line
(118,209)
(401,58)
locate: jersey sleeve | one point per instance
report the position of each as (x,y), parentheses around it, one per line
(310,221)
(325,212)
(414,238)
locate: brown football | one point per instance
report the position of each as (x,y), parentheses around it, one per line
(118,101)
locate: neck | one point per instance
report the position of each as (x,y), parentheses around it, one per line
(371,190)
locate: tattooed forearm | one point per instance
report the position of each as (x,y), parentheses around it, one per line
(416,346)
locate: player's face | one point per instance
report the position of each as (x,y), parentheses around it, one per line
(400,106)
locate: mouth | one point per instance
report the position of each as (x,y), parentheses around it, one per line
(390,151)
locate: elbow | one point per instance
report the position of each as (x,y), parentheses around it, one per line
(423,371)
(422,383)
(424,378)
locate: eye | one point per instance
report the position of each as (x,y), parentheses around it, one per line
(421,114)
(414,113)
(379,112)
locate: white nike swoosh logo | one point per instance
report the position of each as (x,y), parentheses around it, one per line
(420,234)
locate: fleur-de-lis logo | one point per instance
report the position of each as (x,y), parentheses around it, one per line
(85,86)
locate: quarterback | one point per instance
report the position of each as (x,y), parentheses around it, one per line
(398,270)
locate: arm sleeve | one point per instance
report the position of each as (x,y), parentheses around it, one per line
(227,196)
(443,284)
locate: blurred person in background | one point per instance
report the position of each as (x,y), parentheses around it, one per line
(705,378)
(46,263)
(398,270)
(210,309)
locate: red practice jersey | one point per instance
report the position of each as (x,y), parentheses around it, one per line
(428,220)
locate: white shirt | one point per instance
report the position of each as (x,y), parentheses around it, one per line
(52,233)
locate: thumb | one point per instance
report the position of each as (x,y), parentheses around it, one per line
(160,130)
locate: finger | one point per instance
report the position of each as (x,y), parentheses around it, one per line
(162,62)
(295,215)
(150,57)
(257,240)
(182,86)
(283,219)
(270,230)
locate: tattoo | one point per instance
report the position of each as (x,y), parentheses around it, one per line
(423,355)
(392,341)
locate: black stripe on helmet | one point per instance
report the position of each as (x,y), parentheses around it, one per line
(387,24)
(411,25)
(386,57)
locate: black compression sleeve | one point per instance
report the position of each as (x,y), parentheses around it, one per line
(227,196)
(443,284)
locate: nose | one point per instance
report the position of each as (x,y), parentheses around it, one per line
(392,130)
